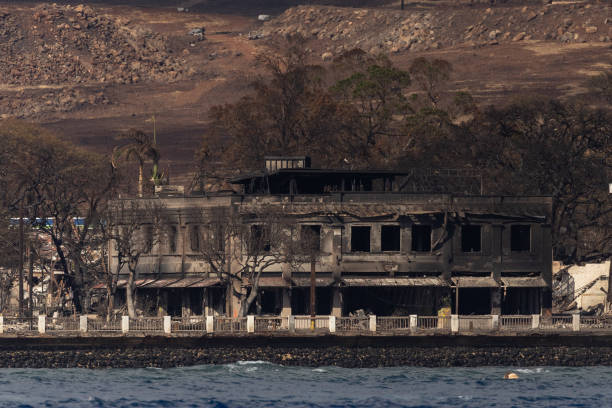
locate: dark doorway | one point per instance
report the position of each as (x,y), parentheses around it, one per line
(521,301)
(300,301)
(175,302)
(195,300)
(474,301)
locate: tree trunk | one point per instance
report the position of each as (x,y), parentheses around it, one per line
(129,295)
(140,179)
(246,304)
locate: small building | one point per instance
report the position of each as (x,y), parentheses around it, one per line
(381,248)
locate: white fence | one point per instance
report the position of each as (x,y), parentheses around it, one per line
(391,325)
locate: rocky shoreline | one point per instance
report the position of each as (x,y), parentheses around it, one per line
(313,352)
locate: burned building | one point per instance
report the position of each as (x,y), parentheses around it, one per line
(377,247)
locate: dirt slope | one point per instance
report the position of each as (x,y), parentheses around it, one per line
(91,72)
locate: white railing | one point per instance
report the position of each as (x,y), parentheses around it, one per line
(557,323)
(20,324)
(400,325)
(304,322)
(188,324)
(595,323)
(100,324)
(475,323)
(433,323)
(392,323)
(230,324)
(516,322)
(63,324)
(352,324)
(147,324)
(271,324)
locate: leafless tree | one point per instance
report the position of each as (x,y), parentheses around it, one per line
(133,227)
(241,244)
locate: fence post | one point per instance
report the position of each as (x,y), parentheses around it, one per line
(210,324)
(42,324)
(576,322)
(454,323)
(373,323)
(332,324)
(250,324)
(291,321)
(167,324)
(125,324)
(1,324)
(413,322)
(494,322)
(83,324)
(535,321)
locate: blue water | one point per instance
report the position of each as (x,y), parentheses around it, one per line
(260,384)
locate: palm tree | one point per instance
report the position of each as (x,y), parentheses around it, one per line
(140,147)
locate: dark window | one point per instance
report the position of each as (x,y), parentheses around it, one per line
(260,241)
(172,234)
(471,238)
(421,238)
(148,238)
(520,237)
(390,238)
(310,236)
(360,239)
(219,238)
(194,237)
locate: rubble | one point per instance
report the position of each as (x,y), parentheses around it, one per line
(60,44)
(377,30)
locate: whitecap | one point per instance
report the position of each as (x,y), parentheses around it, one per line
(252,362)
(319,370)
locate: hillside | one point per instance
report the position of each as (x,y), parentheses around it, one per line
(90,72)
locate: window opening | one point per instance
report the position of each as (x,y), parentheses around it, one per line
(471,238)
(390,238)
(421,238)
(260,241)
(148,238)
(194,237)
(360,239)
(172,235)
(520,237)
(310,236)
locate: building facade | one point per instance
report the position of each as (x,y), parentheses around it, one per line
(379,249)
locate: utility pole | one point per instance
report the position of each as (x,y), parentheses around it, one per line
(313,284)
(30,279)
(21,260)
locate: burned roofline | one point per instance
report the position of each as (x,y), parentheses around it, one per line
(245,178)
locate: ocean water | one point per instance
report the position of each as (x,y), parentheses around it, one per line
(260,384)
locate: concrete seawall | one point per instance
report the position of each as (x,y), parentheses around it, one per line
(345,351)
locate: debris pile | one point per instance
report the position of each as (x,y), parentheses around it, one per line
(378,31)
(63,44)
